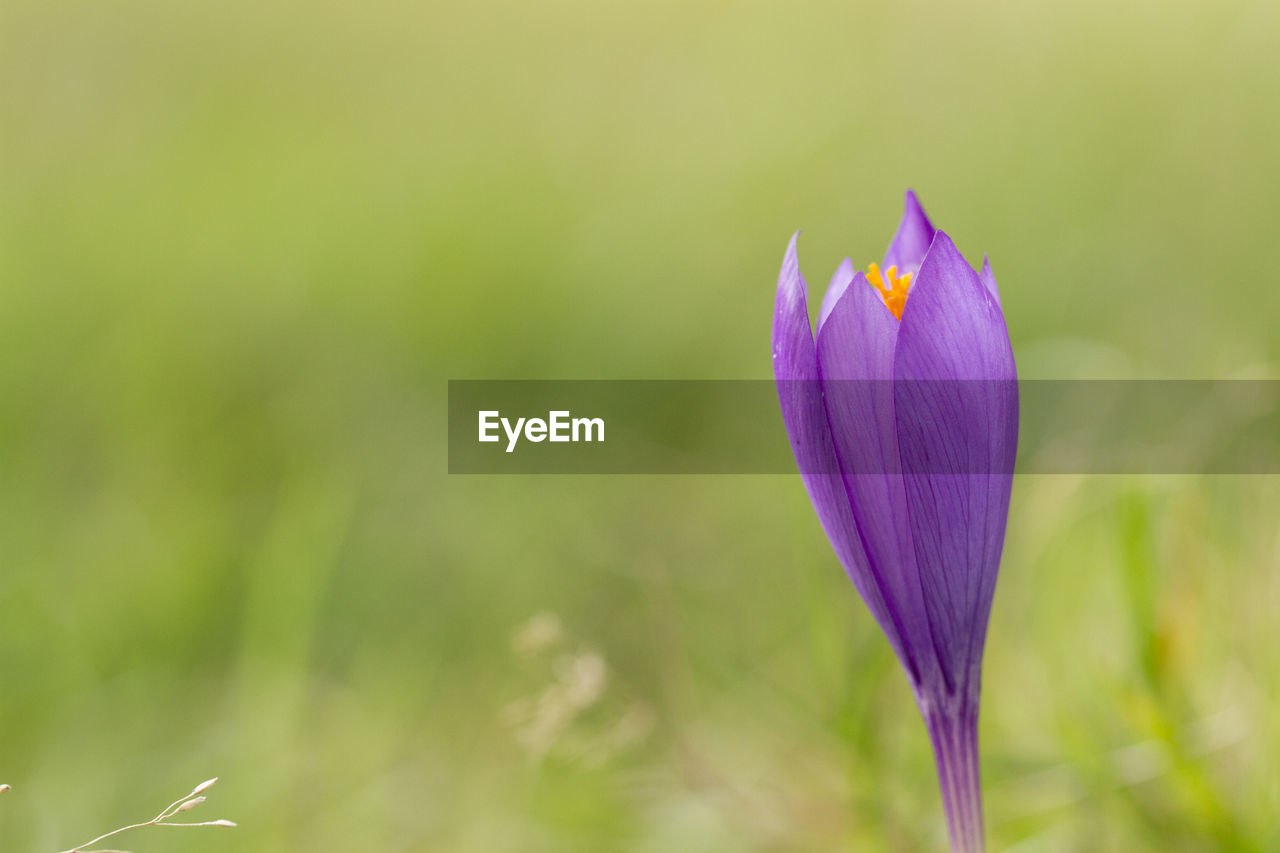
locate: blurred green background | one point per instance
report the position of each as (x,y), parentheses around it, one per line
(244,245)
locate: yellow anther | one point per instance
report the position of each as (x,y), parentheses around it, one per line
(895,293)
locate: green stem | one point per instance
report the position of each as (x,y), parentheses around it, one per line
(954,733)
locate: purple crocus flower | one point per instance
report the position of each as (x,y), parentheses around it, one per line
(903,416)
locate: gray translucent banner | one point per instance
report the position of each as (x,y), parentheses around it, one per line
(735,427)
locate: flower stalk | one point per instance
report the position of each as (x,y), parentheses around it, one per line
(954,735)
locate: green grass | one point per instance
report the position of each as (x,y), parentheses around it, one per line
(243,247)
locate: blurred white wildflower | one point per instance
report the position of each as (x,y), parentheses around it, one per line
(554,717)
(537,635)
(579,683)
(582,679)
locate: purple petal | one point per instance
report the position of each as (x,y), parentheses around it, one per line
(839,281)
(859,338)
(911,242)
(957,416)
(989,279)
(856,358)
(795,367)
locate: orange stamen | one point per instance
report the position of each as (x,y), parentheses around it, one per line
(895,293)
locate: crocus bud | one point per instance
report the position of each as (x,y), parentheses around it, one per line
(902,413)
